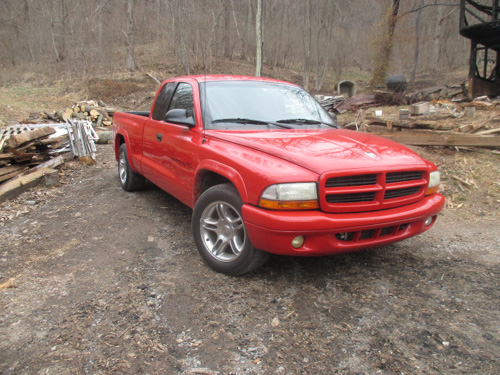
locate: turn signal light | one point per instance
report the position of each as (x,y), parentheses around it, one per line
(288,205)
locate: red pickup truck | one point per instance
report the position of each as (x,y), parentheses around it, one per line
(267,170)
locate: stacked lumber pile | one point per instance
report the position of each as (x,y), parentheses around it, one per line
(97,112)
(442,123)
(455,91)
(329,102)
(378,98)
(27,156)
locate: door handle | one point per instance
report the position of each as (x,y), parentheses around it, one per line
(159,137)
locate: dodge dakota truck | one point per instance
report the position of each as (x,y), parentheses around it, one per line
(267,170)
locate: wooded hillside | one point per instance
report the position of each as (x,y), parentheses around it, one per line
(312,37)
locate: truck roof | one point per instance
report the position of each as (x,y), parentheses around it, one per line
(226,77)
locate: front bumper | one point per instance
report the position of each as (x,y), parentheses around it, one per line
(325,233)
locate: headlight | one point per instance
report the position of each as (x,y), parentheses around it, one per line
(434,180)
(292,196)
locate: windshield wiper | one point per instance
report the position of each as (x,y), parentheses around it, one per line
(239,120)
(304,121)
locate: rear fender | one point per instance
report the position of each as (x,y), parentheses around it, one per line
(120,138)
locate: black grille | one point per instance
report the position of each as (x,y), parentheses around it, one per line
(397,193)
(386,231)
(350,198)
(402,176)
(366,234)
(358,180)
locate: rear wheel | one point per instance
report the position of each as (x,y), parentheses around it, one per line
(129,180)
(220,234)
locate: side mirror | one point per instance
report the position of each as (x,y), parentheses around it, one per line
(180,116)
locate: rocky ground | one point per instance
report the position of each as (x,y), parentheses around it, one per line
(101,281)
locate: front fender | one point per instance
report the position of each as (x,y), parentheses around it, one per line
(223,170)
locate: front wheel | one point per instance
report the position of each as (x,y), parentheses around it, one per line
(220,234)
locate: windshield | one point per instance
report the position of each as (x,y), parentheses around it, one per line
(254,104)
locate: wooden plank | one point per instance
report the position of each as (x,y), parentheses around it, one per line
(13,174)
(20,184)
(468,128)
(52,163)
(7,156)
(488,132)
(19,139)
(443,139)
(11,171)
(55,142)
(19,151)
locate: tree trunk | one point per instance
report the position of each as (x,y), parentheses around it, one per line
(63,30)
(258,31)
(27,21)
(307,44)
(320,79)
(181,15)
(100,24)
(227,17)
(131,65)
(417,42)
(58,29)
(436,39)
(383,55)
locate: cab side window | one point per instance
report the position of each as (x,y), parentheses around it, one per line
(162,101)
(183,98)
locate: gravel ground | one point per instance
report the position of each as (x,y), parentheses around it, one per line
(109,282)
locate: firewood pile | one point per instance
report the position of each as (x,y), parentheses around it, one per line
(97,112)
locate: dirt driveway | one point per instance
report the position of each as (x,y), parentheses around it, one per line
(109,282)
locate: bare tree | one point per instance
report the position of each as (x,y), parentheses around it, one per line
(226,5)
(383,55)
(417,41)
(59,23)
(258,32)
(131,65)
(321,39)
(307,35)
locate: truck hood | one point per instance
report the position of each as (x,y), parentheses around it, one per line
(324,150)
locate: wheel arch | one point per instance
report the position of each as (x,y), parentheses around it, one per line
(214,173)
(118,141)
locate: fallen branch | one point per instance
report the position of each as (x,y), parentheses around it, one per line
(468,184)
(9,284)
(154,78)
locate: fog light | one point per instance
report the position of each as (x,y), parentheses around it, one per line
(298,242)
(428,221)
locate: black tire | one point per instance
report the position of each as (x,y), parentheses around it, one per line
(129,180)
(220,235)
